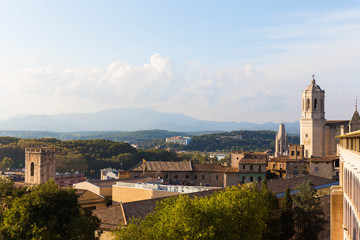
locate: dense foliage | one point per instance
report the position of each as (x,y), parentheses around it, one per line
(236,213)
(87,156)
(242,212)
(44,212)
(308,215)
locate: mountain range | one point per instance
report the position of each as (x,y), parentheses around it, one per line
(131,119)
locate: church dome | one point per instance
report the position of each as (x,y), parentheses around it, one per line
(313,86)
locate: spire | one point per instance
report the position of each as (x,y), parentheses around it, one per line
(313,79)
(355,103)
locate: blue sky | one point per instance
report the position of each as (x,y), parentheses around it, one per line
(212,60)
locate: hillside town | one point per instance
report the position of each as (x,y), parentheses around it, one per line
(326,156)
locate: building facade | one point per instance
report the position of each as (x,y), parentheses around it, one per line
(39,165)
(345,198)
(250,165)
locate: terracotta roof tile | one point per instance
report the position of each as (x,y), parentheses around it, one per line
(157,166)
(113,216)
(280,185)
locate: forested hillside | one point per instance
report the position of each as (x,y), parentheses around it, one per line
(235,140)
(87,156)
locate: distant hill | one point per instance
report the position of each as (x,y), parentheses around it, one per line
(130,119)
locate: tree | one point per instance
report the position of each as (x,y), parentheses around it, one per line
(47,212)
(287,220)
(7,162)
(308,215)
(272,215)
(235,213)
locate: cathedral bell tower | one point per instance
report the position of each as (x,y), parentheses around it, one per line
(312,123)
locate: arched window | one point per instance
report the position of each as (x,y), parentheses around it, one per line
(307,104)
(315,104)
(32,169)
(306,153)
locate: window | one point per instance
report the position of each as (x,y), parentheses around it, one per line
(251,167)
(274,165)
(259,179)
(187,176)
(243,166)
(298,153)
(166,176)
(316,169)
(315,104)
(32,169)
(307,104)
(217,177)
(251,179)
(203,177)
(306,153)
(243,179)
(259,168)
(292,153)
(195,176)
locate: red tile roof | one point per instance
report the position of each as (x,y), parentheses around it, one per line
(157,166)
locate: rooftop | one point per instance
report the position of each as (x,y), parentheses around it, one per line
(158,166)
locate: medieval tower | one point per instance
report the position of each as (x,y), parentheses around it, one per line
(281,142)
(312,123)
(39,165)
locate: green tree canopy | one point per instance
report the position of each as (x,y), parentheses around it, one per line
(287,220)
(7,162)
(235,213)
(308,215)
(47,212)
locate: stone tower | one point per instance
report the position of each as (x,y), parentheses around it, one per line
(312,123)
(354,123)
(281,142)
(39,165)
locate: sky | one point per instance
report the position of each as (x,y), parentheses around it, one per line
(211,60)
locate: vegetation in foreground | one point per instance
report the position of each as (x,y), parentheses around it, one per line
(43,212)
(244,212)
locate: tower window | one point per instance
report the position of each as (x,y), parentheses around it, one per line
(32,169)
(315,104)
(307,104)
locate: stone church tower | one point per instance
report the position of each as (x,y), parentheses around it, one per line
(312,123)
(39,165)
(281,142)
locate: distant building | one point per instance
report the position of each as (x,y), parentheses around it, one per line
(251,166)
(65,180)
(39,165)
(281,142)
(109,173)
(180,140)
(316,133)
(128,192)
(292,165)
(187,173)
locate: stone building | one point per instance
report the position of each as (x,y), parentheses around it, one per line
(187,173)
(316,133)
(39,165)
(281,142)
(345,198)
(250,165)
